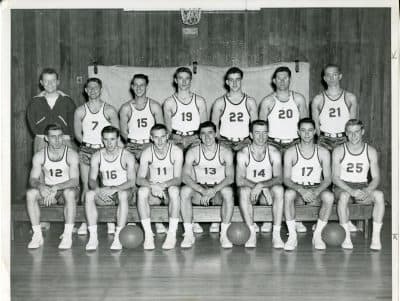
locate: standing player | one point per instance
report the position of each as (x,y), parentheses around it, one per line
(208,173)
(234,111)
(116,168)
(184,110)
(258,174)
(89,120)
(59,164)
(159,178)
(307,174)
(283,109)
(352,162)
(138,115)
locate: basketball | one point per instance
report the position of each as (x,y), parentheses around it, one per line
(131,237)
(238,233)
(333,234)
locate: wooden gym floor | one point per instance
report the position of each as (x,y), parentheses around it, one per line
(205,272)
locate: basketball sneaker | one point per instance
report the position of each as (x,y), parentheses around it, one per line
(170,241)
(214,228)
(352,227)
(149,242)
(252,241)
(82,229)
(256,227)
(318,243)
(347,244)
(266,227)
(197,228)
(160,228)
(291,243)
(36,241)
(300,228)
(116,244)
(225,242)
(66,242)
(92,244)
(277,242)
(188,240)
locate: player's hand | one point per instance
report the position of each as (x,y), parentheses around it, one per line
(211,192)
(205,200)
(255,193)
(368,197)
(268,196)
(158,191)
(50,199)
(44,190)
(307,195)
(103,194)
(358,194)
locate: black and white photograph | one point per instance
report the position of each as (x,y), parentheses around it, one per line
(186,150)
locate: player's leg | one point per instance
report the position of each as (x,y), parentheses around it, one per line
(122,217)
(187,194)
(246,207)
(377,217)
(91,217)
(84,175)
(327,200)
(226,215)
(32,204)
(277,211)
(144,214)
(174,210)
(344,200)
(70,196)
(290,215)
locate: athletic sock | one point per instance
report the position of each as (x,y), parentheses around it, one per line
(320,225)
(93,231)
(68,229)
(37,229)
(173,224)
(276,229)
(376,228)
(188,227)
(147,226)
(292,227)
(117,230)
(224,228)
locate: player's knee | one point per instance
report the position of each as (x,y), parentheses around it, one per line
(143,193)
(227,195)
(90,196)
(122,196)
(290,195)
(173,192)
(186,191)
(327,197)
(277,191)
(32,195)
(69,195)
(344,198)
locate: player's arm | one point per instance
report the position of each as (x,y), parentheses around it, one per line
(169,108)
(276,169)
(34,177)
(111,114)
(177,160)
(156,111)
(141,179)
(266,106)
(70,116)
(31,119)
(78,116)
(124,115)
(289,159)
(325,157)
(316,106)
(242,159)
(252,108)
(187,179)
(201,105)
(301,104)
(129,161)
(227,156)
(374,169)
(351,101)
(337,156)
(217,110)
(73,162)
(94,170)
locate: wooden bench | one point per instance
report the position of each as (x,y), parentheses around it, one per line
(360,213)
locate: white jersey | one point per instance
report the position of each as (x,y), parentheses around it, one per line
(161,169)
(258,171)
(112,172)
(55,172)
(334,114)
(354,167)
(140,122)
(93,124)
(187,116)
(209,170)
(307,171)
(283,119)
(235,119)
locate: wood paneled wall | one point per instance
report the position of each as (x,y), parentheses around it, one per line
(70,40)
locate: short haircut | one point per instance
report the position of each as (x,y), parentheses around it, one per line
(331,65)
(94,79)
(158,126)
(305,120)
(353,122)
(258,122)
(48,71)
(109,129)
(207,124)
(233,70)
(183,69)
(141,76)
(282,69)
(52,127)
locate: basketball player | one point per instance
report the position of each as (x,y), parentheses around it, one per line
(352,162)
(307,176)
(159,178)
(116,168)
(138,115)
(184,110)
(89,120)
(60,166)
(259,178)
(208,173)
(234,111)
(283,108)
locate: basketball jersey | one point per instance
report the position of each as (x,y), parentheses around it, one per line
(354,167)
(112,172)
(187,116)
(93,124)
(258,171)
(140,122)
(334,114)
(283,119)
(209,171)
(161,169)
(55,172)
(307,171)
(235,119)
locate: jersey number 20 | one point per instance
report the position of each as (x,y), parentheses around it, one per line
(283,114)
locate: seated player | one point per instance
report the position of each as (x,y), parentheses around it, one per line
(116,168)
(351,163)
(259,178)
(307,176)
(60,166)
(159,178)
(208,173)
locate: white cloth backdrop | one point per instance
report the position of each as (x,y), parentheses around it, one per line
(207,82)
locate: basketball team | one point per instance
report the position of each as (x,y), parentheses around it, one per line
(173,155)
